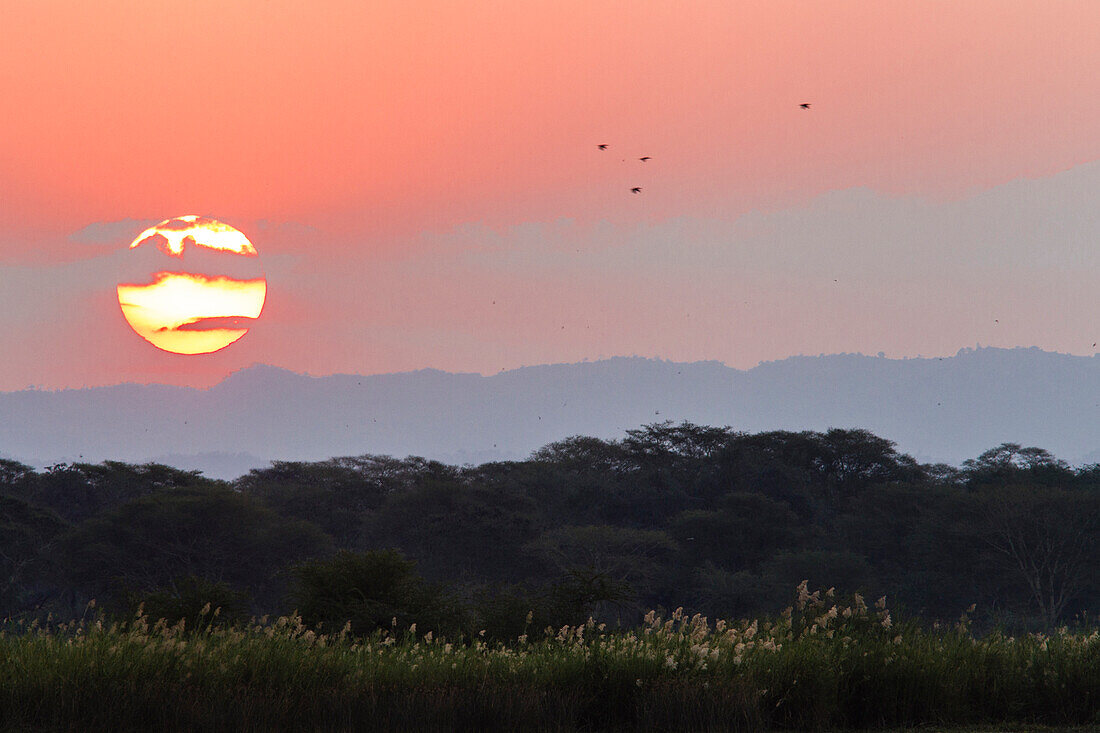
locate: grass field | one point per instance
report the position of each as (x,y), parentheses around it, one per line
(821,665)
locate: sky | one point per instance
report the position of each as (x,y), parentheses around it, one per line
(423,184)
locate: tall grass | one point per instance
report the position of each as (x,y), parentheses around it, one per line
(822,664)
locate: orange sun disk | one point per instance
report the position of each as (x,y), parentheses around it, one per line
(190,312)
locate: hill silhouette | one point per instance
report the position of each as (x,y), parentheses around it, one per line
(938,410)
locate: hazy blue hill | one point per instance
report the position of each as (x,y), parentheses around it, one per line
(945,409)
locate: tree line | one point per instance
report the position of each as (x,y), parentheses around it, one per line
(717,521)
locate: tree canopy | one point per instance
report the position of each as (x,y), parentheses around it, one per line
(718,521)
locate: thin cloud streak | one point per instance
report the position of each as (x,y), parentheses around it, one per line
(113,233)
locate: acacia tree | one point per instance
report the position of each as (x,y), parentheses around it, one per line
(27,536)
(1047,537)
(1011,463)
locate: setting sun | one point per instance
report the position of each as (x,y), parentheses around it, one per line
(202,299)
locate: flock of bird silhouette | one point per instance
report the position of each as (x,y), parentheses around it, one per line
(644,158)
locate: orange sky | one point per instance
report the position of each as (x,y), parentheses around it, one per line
(358,139)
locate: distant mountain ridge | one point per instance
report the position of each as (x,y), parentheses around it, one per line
(938,409)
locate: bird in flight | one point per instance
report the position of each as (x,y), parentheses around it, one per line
(636,189)
(805,105)
(602,146)
(644,158)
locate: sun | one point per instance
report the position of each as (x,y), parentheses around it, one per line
(193,285)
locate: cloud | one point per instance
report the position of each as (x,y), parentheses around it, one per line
(204,324)
(119,232)
(1036,226)
(852,271)
(123,231)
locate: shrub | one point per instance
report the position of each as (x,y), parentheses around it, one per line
(372,590)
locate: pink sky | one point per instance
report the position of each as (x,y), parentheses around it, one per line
(423,184)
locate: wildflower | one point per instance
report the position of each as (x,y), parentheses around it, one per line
(205,609)
(803,594)
(881,603)
(530,616)
(886,622)
(412,629)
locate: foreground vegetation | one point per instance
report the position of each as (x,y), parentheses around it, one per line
(417,595)
(823,663)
